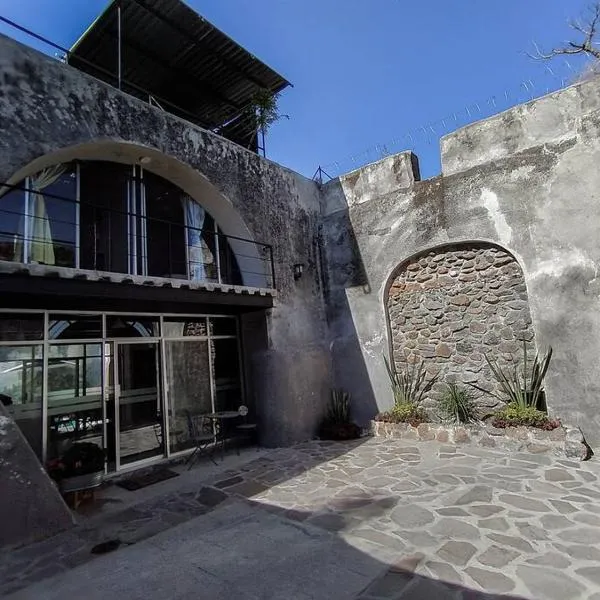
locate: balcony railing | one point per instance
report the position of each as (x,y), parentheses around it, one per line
(58,231)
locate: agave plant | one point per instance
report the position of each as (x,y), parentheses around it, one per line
(523,387)
(457,405)
(411,385)
(338,410)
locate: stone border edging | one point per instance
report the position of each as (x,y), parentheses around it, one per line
(565,440)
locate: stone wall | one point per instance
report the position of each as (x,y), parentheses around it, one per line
(565,441)
(451,306)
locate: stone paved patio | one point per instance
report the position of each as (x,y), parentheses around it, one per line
(441,521)
(526,524)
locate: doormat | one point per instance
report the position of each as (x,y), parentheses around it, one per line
(137,482)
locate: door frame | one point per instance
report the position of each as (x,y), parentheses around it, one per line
(116,342)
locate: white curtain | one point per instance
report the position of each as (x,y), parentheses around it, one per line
(194,220)
(41,248)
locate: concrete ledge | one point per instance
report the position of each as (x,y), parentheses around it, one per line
(563,441)
(386,176)
(35,270)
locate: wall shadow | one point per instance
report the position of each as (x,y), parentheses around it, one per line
(343,271)
(397,580)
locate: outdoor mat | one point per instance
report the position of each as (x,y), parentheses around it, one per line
(137,482)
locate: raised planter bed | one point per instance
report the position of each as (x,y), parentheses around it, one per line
(562,441)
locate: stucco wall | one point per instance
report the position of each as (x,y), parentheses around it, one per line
(50,112)
(526,180)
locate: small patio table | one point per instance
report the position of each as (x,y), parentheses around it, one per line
(221,418)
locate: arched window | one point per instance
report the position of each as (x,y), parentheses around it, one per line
(112,217)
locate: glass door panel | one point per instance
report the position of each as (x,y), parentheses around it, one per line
(75,406)
(226,371)
(140,431)
(189,387)
(21,370)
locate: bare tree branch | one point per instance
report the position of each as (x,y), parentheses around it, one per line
(585,46)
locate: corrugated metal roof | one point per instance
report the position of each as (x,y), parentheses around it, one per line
(170,52)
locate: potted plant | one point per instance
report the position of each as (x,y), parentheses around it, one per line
(81,467)
(337,424)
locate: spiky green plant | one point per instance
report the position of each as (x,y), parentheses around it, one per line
(523,387)
(457,405)
(409,386)
(338,410)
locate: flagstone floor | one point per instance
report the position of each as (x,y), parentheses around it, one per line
(442,521)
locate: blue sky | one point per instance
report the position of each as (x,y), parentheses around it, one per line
(370,76)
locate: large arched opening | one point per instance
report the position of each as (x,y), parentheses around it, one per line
(124,208)
(449,306)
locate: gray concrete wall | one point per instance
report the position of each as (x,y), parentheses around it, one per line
(23,482)
(527,180)
(50,112)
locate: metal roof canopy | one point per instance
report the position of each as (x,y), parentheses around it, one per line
(172,57)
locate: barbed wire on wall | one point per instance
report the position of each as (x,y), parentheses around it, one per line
(554,78)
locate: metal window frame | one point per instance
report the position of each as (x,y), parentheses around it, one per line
(109,346)
(26,220)
(77,215)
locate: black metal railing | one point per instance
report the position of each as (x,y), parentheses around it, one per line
(44,228)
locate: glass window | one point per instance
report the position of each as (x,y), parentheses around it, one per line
(21,370)
(103,217)
(226,367)
(74,396)
(39,226)
(21,327)
(165,228)
(132,326)
(184,327)
(12,210)
(223,326)
(54,216)
(74,327)
(189,389)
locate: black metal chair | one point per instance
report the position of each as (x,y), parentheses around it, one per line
(202,435)
(245,430)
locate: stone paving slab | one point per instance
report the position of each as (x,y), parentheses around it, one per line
(441,521)
(238,551)
(524,524)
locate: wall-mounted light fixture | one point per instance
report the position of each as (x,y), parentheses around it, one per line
(145,160)
(298,270)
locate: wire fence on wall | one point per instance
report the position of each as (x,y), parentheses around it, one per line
(425,138)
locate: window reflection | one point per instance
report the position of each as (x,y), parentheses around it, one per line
(21,374)
(74,396)
(16,327)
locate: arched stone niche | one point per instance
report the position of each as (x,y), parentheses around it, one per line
(451,305)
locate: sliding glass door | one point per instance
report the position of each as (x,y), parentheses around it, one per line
(138,404)
(129,383)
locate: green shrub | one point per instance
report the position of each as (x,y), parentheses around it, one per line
(406,412)
(513,415)
(457,405)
